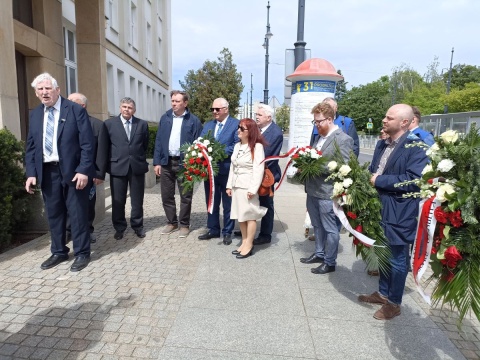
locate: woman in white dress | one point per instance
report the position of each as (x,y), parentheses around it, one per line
(244,179)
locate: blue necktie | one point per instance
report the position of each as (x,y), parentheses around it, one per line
(49,131)
(220,126)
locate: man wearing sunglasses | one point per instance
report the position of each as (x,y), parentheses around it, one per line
(224,129)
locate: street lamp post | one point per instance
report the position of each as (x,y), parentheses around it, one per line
(445,107)
(268,36)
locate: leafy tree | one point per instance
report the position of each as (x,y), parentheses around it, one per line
(367,101)
(282,117)
(341,88)
(462,75)
(464,100)
(427,97)
(213,80)
(432,75)
(402,81)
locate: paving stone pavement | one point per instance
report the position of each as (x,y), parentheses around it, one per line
(163,297)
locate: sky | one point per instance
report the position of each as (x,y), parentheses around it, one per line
(365,39)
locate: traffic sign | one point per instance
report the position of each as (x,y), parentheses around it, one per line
(369,125)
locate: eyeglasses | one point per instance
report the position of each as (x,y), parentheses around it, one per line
(318,122)
(241,128)
(217,109)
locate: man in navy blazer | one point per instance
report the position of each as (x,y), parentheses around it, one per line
(394,161)
(59,156)
(122,152)
(224,129)
(274,136)
(176,127)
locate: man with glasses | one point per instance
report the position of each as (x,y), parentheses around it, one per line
(176,127)
(224,129)
(319,192)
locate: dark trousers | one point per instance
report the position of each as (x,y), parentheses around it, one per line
(91,211)
(118,187)
(168,178)
(213,219)
(266,225)
(62,199)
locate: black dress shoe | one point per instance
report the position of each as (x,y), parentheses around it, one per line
(93,238)
(237,233)
(118,235)
(323,269)
(80,263)
(53,261)
(250,253)
(235,252)
(208,236)
(260,241)
(311,259)
(140,232)
(227,239)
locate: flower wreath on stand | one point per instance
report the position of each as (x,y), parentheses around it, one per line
(448,229)
(201,163)
(357,204)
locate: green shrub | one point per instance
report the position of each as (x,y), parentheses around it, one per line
(13,197)
(152,133)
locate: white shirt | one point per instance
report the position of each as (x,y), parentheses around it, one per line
(124,121)
(56,113)
(174,141)
(262,130)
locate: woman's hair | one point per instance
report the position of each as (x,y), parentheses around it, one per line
(254,134)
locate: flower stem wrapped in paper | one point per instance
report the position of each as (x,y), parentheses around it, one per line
(201,161)
(357,205)
(448,229)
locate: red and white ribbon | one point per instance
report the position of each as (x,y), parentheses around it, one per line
(424,242)
(277,157)
(338,210)
(211,181)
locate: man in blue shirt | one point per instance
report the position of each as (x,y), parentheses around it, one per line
(423,135)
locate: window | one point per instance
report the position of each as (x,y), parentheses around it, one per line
(149,43)
(112,14)
(133,25)
(69,44)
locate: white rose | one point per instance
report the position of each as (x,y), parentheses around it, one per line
(301,152)
(210,158)
(449,136)
(427,169)
(210,149)
(444,189)
(206,142)
(314,155)
(338,189)
(200,155)
(347,182)
(194,153)
(344,170)
(199,139)
(332,165)
(445,165)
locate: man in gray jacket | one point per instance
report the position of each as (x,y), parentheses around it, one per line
(319,192)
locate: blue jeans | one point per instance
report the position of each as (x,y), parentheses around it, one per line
(392,284)
(325,228)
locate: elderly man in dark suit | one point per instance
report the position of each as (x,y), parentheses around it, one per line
(59,156)
(274,137)
(319,192)
(224,129)
(177,126)
(97,125)
(122,153)
(394,162)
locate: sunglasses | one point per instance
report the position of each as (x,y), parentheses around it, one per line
(217,109)
(241,128)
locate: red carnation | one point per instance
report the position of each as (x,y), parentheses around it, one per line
(434,250)
(359,228)
(430,181)
(191,161)
(198,160)
(355,241)
(319,152)
(351,215)
(440,215)
(196,171)
(205,163)
(203,174)
(190,169)
(296,156)
(189,178)
(455,218)
(452,256)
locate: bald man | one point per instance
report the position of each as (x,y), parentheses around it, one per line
(394,162)
(97,126)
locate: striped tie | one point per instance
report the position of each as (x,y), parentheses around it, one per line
(219,130)
(49,131)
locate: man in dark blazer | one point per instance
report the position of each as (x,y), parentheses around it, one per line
(176,127)
(59,156)
(274,136)
(122,150)
(97,126)
(224,129)
(394,162)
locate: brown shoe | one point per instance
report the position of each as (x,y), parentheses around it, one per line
(169,229)
(374,298)
(184,231)
(387,311)
(311,238)
(373,272)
